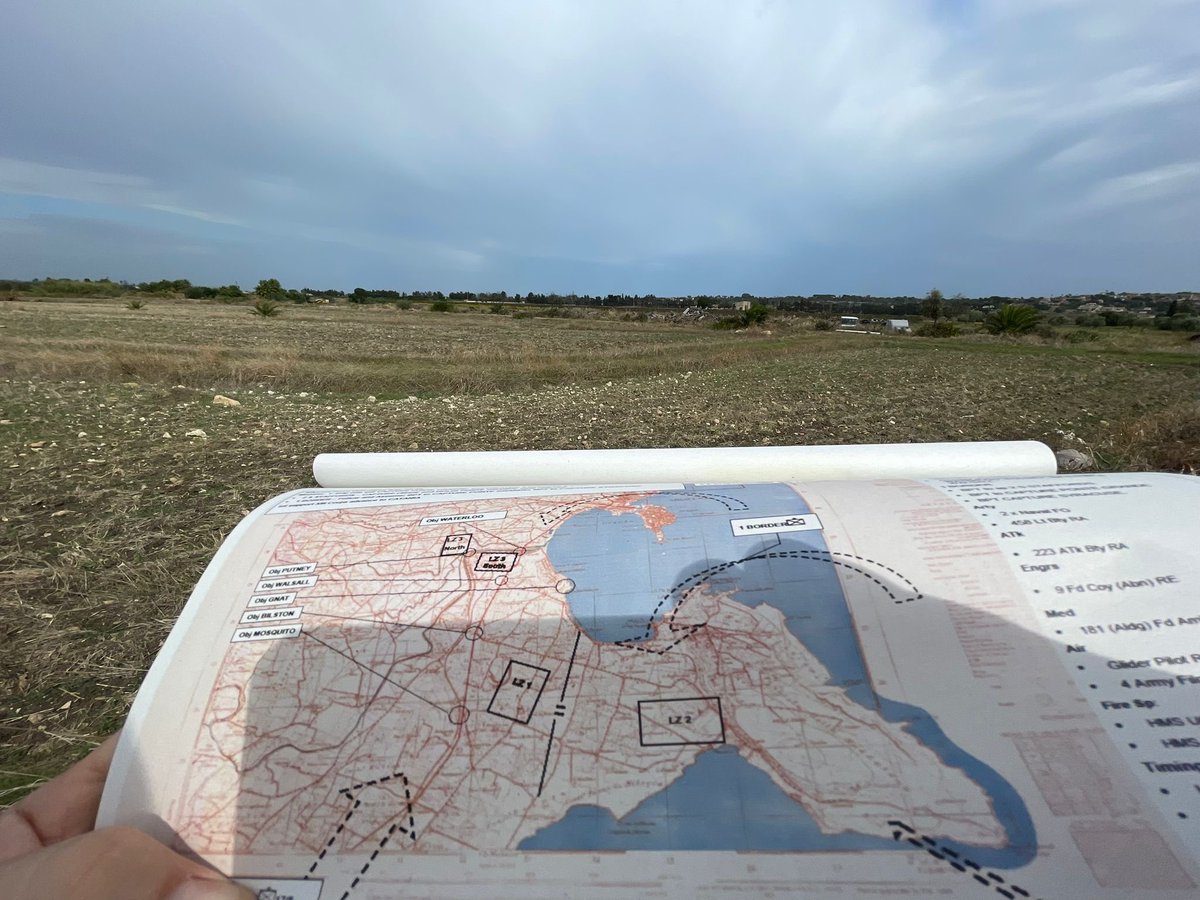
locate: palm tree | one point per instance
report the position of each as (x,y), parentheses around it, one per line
(1012,318)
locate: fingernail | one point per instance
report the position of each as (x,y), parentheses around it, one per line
(210,889)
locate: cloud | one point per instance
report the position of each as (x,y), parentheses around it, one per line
(619,141)
(87,186)
(18,176)
(1087,152)
(1148,185)
(191,213)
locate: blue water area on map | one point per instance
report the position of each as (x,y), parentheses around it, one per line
(739,807)
(625,580)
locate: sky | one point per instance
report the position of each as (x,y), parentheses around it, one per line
(983,147)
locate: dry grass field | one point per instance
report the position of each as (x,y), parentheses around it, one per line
(123,477)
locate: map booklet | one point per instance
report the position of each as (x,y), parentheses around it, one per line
(977,687)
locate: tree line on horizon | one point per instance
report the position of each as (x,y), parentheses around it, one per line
(933,306)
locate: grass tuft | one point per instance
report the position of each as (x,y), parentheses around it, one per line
(1165,440)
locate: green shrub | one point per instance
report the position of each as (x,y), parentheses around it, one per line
(1012,318)
(71,287)
(755,315)
(265,308)
(1081,336)
(825,325)
(1046,332)
(177,286)
(497,309)
(441,306)
(134,304)
(362,295)
(939,329)
(402,303)
(269,288)
(1177,323)
(727,322)
(1117,317)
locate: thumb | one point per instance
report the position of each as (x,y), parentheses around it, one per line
(113,864)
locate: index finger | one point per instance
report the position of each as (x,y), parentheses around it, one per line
(63,807)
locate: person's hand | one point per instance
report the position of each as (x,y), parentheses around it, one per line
(50,848)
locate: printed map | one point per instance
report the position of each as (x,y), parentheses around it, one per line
(669,670)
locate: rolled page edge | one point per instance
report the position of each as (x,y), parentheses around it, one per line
(853,462)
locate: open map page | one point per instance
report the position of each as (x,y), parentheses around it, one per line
(984,688)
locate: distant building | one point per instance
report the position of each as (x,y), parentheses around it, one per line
(742,305)
(849,322)
(898,325)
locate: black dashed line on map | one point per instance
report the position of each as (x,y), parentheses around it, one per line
(333,837)
(917,595)
(829,557)
(718,498)
(692,580)
(549,517)
(934,848)
(363,784)
(348,792)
